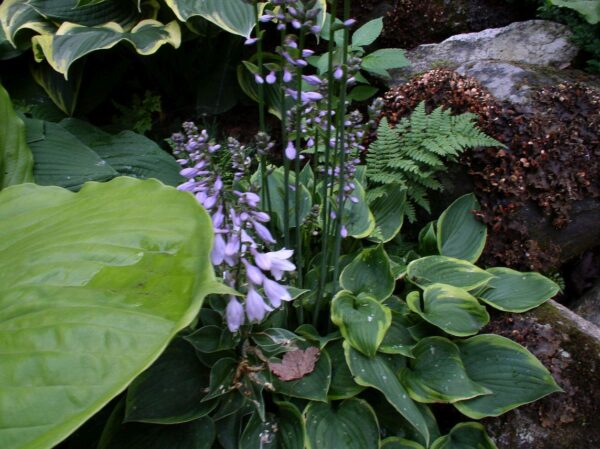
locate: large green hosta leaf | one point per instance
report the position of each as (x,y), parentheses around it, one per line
(16,161)
(513,291)
(72,152)
(93,285)
(512,373)
(349,425)
(450,308)
(234,16)
(460,234)
(362,320)
(72,42)
(447,270)
(466,435)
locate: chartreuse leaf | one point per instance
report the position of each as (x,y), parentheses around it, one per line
(447,270)
(513,291)
(467,435)
(450,308)
(197,434)
(283,430)
(171,390)
(351,424)
(400,443)
(93,286)
(459,233)
(362,320)
(16,161)
(378,372)
(380,61)
(512,373)
(342,383)
(369,273)
(368,33)
(590,9)
(72,42)
(389,213)
(437,374)
(234,16)
(313,386)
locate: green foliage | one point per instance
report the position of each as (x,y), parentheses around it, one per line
(97,285)
(589,9)
(72,152)
(411,155)
(140,115)
(16,161)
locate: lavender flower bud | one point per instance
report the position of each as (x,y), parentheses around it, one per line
(250,41)
(259,79)
(234,314)
(338,73)
(271,78)
(290,151)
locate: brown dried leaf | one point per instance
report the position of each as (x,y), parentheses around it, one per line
(296,364)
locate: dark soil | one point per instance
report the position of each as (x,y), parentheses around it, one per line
(409,23)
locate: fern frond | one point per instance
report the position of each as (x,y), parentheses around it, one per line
(417,149)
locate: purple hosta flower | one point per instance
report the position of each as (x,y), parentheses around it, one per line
(256,307)
(276,292)
(277,262)
(234,314)
(241,238)
(290,151)
(259,79)
(255,275)
(349,22)
(287,76)
(251,41)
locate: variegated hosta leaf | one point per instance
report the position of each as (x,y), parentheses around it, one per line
(234,16)
(81,3)
(17,17)
(123,12)
(72,42)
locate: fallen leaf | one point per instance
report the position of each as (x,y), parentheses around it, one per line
(296,364)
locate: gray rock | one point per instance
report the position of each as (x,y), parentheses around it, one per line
(536,42)
(515,82)
(569,347)
(588,306)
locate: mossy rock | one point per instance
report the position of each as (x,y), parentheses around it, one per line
(569,347)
